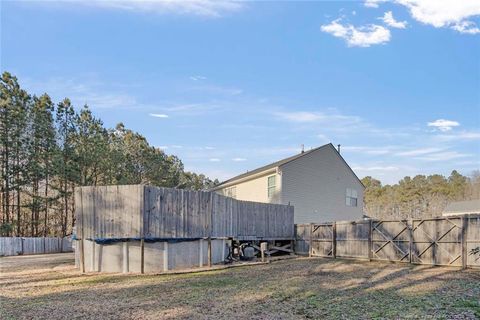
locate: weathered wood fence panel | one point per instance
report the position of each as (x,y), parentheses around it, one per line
(322,242)
(302,238)
(390,240)
(11,246)
(444,241)
(437,241)
(352,239)
(472,240)
(137,211)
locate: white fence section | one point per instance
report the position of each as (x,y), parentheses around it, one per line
(12,246)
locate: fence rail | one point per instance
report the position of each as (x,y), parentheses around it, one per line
(11,246)
(436,241)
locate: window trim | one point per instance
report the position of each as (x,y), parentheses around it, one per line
(351,197)
(271,188)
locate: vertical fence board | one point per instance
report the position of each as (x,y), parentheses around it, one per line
(446,241)
(136,211)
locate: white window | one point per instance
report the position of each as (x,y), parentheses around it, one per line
(351,198)
(231,192)
(271,186)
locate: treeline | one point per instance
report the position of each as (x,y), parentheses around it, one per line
(420,196)
(48,149)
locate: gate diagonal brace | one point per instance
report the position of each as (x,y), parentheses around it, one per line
(436,242)
(390,241)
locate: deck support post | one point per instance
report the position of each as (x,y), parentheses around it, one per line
(82,254)
(263,249)
(209,252)
(125,257)
(165,256)
(200,253)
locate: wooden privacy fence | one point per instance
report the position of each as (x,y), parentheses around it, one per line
(146,212)
(436,241)
(11,246)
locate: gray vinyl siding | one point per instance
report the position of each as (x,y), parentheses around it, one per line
(316,184)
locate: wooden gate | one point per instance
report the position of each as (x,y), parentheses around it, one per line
(437,241)
(353,239)
(391,240)
(322,238)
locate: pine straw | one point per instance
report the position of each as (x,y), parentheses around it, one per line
(50,287)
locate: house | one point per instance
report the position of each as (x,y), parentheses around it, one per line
(318,183)
(462,207)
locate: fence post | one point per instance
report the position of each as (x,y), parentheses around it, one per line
(334,240)
(370,245)
(142,255)
(310,250)
(410,240)
(464,242)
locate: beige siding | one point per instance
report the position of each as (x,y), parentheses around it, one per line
(256,189)
(316,185)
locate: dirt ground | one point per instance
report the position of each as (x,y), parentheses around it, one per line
(49,287)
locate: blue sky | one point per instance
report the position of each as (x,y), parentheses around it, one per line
(230,86)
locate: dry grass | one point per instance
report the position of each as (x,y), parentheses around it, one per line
(50,287)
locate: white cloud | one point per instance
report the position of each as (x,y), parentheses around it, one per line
(207,8)
(158,115)
(418,152)
(443,156)
(443,125)
(453,14)
(316,116)
(368,150)
(239,159)
(301,116)
(363,36)
(197,78)
(373,3)
(214,160)
(85,91)
(464,135)
(467,27)
(375,168)
(390,21)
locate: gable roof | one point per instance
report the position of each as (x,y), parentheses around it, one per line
(281,163)
(470,206)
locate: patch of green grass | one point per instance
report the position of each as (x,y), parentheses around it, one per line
(213,282)
(473,305)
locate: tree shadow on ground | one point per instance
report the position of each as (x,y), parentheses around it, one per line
(304,288)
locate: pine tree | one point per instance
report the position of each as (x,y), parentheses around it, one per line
(66,162)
